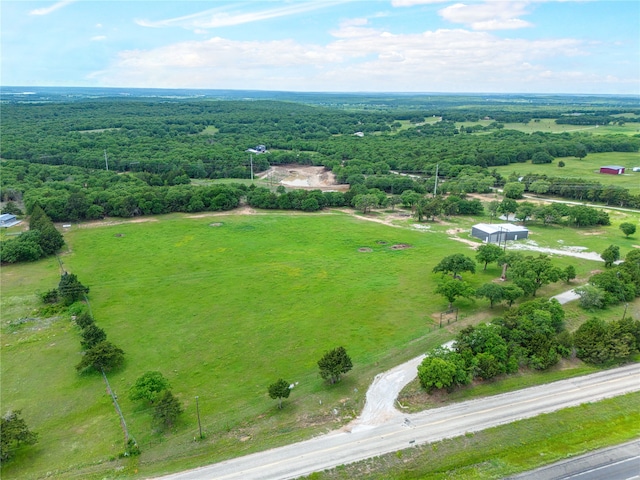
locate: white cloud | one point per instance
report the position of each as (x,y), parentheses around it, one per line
(491,15)
(227,16)
(411,3)
(358,59)
(52,8)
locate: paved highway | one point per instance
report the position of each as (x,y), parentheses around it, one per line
(357,441)
(621,462)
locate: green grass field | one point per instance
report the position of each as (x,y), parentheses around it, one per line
(223,306)
(587,169)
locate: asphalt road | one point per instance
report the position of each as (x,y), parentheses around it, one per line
(357,442)
(621,462)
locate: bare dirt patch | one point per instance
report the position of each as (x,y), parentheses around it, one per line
(365,249)
(110,223)
(215,224)
(400,246)
(304,177)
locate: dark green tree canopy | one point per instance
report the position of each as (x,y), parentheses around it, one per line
(167,410)
(455,264)
(334,364)
(628,228)
(149,386)
(451,288)
(610,255)
(70,288)
(279,390)
(488,253)
(91,336)
(14,432)
(102,356)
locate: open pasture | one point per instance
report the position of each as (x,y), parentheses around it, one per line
(222,306)
(587,168)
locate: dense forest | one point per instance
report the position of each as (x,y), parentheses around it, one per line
(89,157)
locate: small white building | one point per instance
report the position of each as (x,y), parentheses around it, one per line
(8,220)
(499,232)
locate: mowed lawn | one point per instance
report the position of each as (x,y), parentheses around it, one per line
(222,306)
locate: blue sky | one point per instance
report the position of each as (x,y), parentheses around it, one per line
(497,46)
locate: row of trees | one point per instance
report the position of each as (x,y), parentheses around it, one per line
(154,390)
(527,273)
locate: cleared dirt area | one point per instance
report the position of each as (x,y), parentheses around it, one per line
(303,176)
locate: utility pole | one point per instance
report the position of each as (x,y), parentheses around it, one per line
(106,161)
(251,161)
(198,411)
(435,185)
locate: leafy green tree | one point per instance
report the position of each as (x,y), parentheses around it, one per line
(508,206)
(488,253)
(103,356)
(532,273)
(167,409)
(492,208)
(70,288)
(569,273)
(410,198)
(628,228)
(450,288)
(592,341)
(541,157)
(540,187)
(84,319)
(484,349)
(14,432)
(531,331)
(548,214)
(21,249)
(148,387)
(334,364)
(394,200)
(511,293)
(51,239)
(525,211)
(492,292)
(591,297)
(513,190)
(455,264)
(610,255)
(91,336)
(442,368)
(427,208)
(616,283)
(279,390)
(365,202)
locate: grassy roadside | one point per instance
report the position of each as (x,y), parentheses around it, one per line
(508,449)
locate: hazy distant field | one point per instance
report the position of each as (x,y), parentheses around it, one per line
(550,125)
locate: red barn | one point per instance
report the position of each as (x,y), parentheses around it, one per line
(612,170)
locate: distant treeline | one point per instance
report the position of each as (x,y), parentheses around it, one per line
(152,149)
(209,139)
